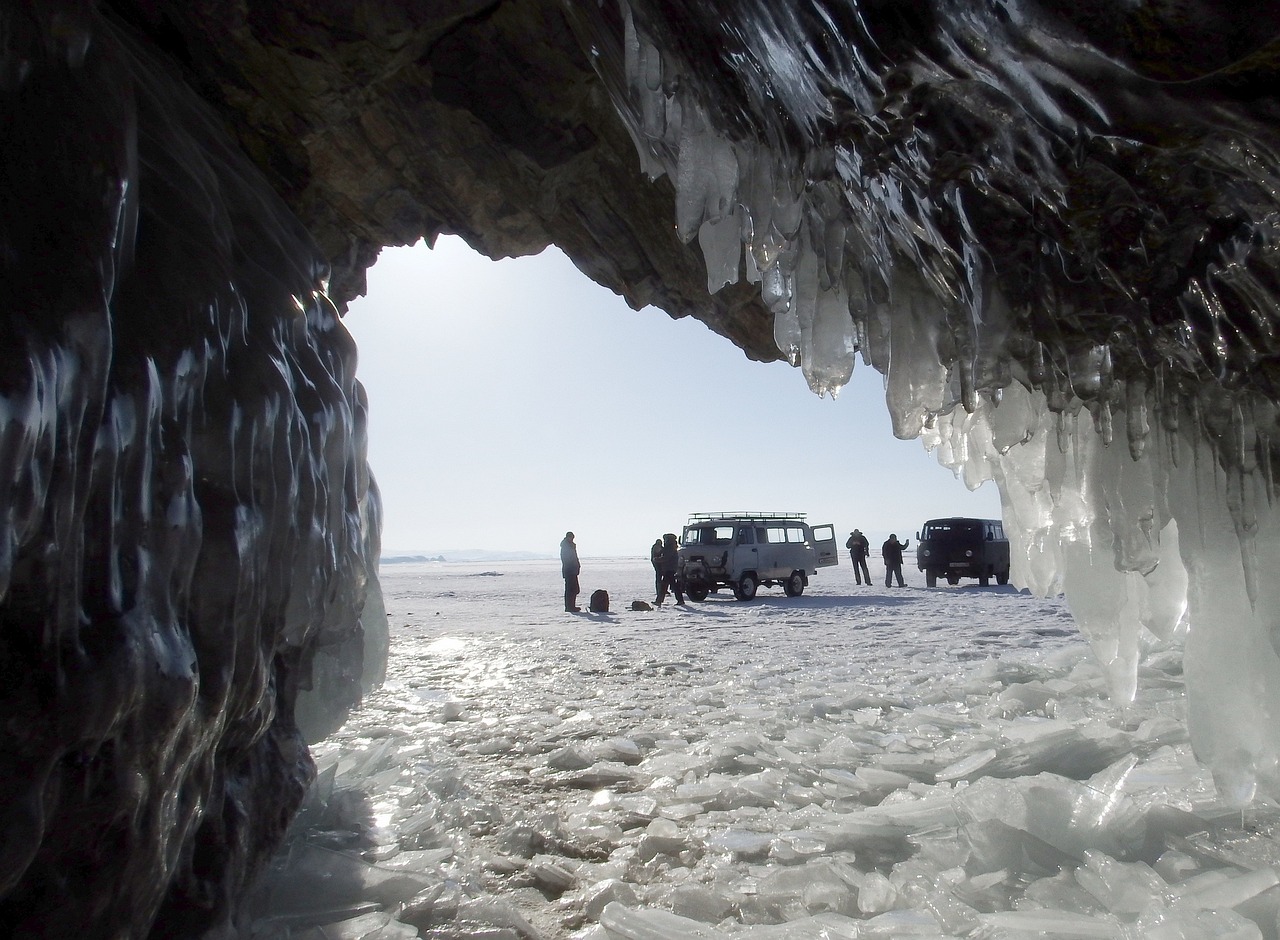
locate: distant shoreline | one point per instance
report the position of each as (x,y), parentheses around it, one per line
(479,555)
(460,555)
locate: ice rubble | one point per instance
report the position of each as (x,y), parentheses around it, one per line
(1009,800)
(1143,505)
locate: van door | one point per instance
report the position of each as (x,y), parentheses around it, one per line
(746,555)
(770,540)
(824,545)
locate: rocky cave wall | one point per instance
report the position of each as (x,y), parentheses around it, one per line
(185,493)
(1038,223)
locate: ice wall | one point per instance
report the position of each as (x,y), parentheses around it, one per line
(1065,268)
(184,490)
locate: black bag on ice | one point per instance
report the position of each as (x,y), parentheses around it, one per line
(599,602)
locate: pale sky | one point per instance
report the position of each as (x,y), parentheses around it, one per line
(511,401)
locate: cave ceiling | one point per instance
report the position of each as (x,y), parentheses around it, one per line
(382,123)
(1122,212)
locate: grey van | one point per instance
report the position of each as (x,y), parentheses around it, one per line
(958,548)
(743,551)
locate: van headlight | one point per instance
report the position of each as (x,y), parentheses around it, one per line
(925,553)
(968,553)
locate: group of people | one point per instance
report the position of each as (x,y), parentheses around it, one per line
(890,551)
(665,556)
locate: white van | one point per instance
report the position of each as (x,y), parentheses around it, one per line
(743,550)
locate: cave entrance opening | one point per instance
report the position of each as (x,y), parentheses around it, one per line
(510,401)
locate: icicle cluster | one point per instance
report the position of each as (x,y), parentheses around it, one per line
(1144,539)
(752,217)
(1135,520)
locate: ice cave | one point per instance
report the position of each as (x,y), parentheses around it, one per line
(1053,229)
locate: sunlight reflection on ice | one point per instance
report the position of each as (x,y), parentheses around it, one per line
(447,644)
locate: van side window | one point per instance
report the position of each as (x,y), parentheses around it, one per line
(777,534)
(746,535)
(795,534)
(762,535)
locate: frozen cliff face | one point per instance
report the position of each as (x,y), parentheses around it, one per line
(1060,251)
(183,488)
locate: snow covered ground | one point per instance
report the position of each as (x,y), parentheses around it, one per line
(858,762)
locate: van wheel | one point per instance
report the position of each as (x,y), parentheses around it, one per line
(984,579)
(1002,577)
(697,592)
(931,578)
(953,579)
(794,585)
(745,589)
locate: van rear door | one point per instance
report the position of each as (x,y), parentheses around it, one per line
(824,545)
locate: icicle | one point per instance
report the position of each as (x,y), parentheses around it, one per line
(786,332)
(721,244)
(758,174)
(1165,605)
(777,289)
(916,380)
(826,330)
(706,179)
(1138,426)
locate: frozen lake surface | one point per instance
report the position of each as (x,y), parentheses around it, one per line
(857,762)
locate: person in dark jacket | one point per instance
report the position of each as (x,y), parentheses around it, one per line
(570,568)
(670,564)
(891,550)
(858,548)
(655,557)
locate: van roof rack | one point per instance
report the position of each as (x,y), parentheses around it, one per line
(753,516)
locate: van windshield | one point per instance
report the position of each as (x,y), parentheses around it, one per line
(709,535)
(956,529)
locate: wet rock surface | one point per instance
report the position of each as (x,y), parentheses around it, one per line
(184,491)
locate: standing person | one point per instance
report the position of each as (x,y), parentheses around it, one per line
(859,547)
(670,564)
(570,568)
(655,557)
(892,552)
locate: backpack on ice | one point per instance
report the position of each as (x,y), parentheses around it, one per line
(599,602)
